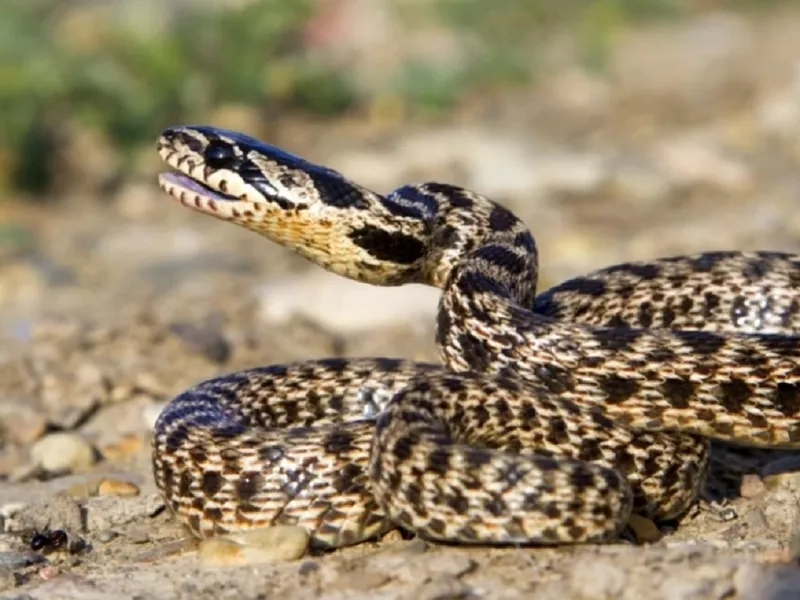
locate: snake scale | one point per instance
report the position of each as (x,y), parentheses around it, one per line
(553,416)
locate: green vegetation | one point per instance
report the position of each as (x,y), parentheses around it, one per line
(128,81)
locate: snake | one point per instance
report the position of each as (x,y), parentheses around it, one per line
(551,418)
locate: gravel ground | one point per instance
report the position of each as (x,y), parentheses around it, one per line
(111,308)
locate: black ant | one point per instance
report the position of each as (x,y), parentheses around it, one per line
(53,540)
(48,540)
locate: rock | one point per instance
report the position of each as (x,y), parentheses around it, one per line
(68,586)
(273,544)
(598,578)
(10,509)
(58,512)
(681,588)
(117,487)
(115,512)
(138,535)
(124,448)
(781,503)
(755,582)
(20,423)
(82,489)
(105,537)
(751,486)
(59,452)
(18,560)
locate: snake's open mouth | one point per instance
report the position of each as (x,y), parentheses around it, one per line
(176,183)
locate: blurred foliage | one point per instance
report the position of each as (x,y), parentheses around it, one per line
(128,81)
(508,38)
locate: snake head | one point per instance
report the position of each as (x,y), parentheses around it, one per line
(309,208)
(227,174)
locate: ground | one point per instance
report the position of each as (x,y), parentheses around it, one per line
(109,309)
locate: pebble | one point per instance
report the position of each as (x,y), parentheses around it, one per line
(11,508)
(116,512)
(138,535)
(274,544)
(82,489)
(780,502)
(60,511)
(106,536)
(751,486)
(20,423)
(124,448)
(59,452)
(17,560)
(117,487)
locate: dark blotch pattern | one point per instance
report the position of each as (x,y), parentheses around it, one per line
(502,258)
(678,391)
(347,477)
(614,338)
(701,342)
(617,388)
(502,219)
(733,394)
(786,399)
(211,483)
(641,271)
(388,245)
(338,441)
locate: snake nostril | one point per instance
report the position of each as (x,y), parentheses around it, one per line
(219,154)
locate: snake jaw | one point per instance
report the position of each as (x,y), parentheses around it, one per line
(193,194)
(190,184)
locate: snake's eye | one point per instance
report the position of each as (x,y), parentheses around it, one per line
(219,154)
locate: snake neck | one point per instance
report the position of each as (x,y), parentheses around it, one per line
(417,234)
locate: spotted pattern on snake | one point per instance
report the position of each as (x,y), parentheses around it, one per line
(551,417)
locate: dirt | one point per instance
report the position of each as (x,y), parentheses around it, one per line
(108,309)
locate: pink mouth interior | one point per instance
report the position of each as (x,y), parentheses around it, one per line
(190,184)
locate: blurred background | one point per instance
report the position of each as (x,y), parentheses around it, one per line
(618,129)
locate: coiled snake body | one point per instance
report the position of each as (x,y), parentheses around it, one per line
(552,416)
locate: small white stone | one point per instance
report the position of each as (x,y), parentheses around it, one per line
(11,508)
(63,452)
